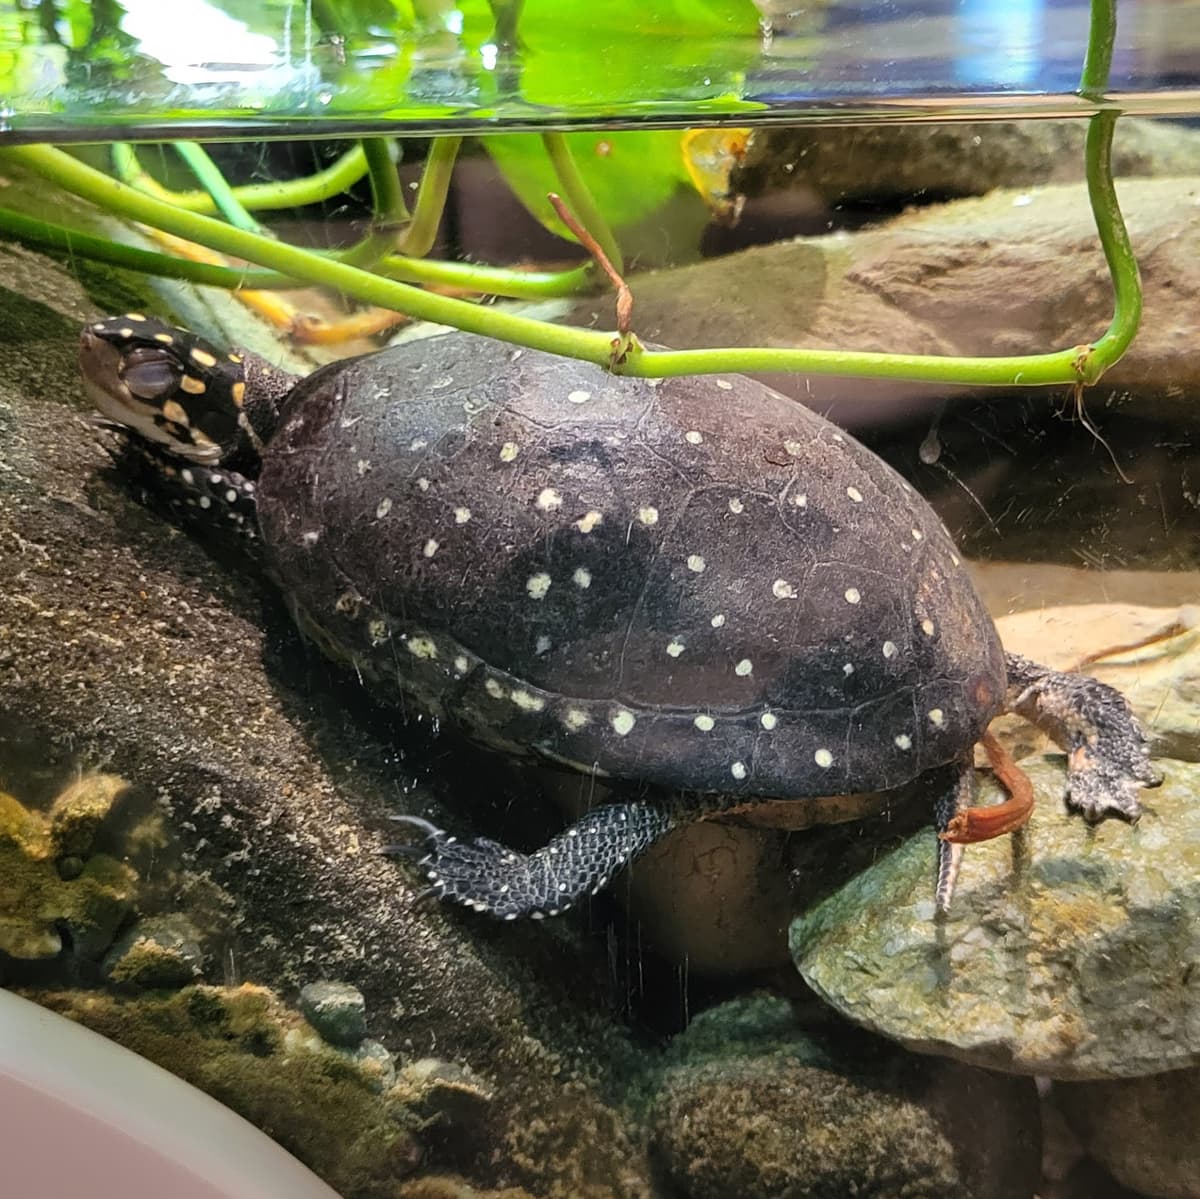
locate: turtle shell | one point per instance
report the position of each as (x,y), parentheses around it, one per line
(697,583)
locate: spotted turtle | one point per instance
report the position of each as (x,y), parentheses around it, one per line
(696,588)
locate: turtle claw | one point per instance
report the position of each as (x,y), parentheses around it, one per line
(1108,753)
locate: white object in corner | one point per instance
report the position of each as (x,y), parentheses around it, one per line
(79,1115)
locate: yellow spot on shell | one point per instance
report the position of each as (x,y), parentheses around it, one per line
(823,758)
(648,515)
(537,585)
(527,702)
(587,522)
(704,723)
(576,718)
(202,356)
(165,338)
(508,451)
(421,647)
(623,722)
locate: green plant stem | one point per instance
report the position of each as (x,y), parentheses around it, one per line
(487,280)
(255,197)
(209,176)
(1097,62)
(75,242)
(1118,252)
(579,198)
(431,198)
(75,176)
(389,213)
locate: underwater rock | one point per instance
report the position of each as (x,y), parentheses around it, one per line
(157,952)
(750,1103)
(79,813)
(1062,955)
(233,1043)
(337,1011)
(123,642)
(447,1094)
(1142,1130)
(38,904)
(961,158)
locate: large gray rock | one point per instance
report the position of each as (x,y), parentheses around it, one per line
(754,1103)
(1013,272)
(1145,1131)
(1063,955)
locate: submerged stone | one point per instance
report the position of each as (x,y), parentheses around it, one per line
(158,952)
(1064,953)
(753,1104)
(337,1011)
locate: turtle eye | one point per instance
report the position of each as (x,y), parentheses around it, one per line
(151,374)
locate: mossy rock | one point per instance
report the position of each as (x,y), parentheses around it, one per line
(234,1044)
(1064,952)
(79,812)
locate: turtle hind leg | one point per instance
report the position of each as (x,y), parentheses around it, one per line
(1108,756)
(580,861)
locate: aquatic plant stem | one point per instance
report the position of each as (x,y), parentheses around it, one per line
(335,179)
(580,198)
(209,176)
(431,198)
(1097,61)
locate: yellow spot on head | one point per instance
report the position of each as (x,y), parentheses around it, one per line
(236,358)
(192,386)
(527,702)
(202,356)
(134,316)
(238,391)
(173,410)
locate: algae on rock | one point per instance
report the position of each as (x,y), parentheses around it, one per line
(1064,952)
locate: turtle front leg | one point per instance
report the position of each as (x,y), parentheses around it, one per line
(489,877)
(1108,757)
(207,498)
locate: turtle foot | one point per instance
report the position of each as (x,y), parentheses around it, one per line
(489,877)
(1108,755)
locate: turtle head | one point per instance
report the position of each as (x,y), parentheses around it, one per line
(167,386)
